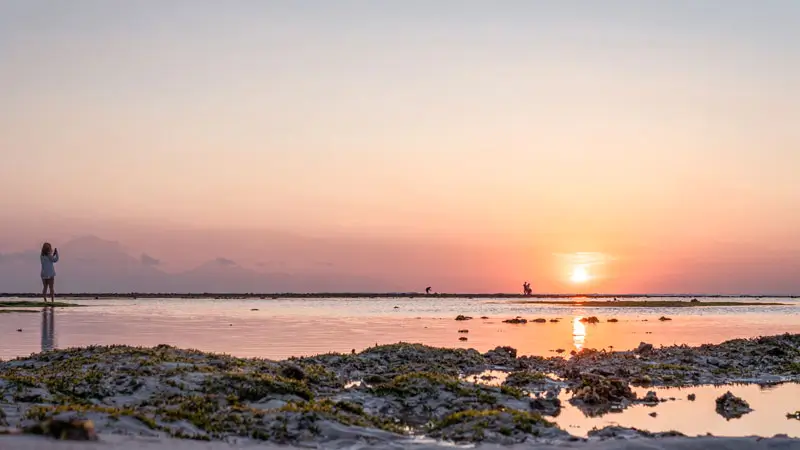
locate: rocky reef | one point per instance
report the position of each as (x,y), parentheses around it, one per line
(383,394)
(730,406)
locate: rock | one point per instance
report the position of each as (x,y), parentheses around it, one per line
(664,319)
(540,320)
(463,331)
(653,414)
(516,320)
(560,350)
(613,320)
(549,406)
(484,317)
(644,348)
(496,427)
(691,397)
(650,397)
(554,320)
(293,372)
(525,378)
(375,379)
(794,415)
(501,356)
(776,352)
(19,330)
(616,432)
(254,309)
(591,319)
(65,430)
(730,406)
(462,338)
(418,398)
(463,317)
(597,394)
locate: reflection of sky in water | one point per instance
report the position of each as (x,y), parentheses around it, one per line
(698,417)
(278,329)
(578,333)
(48,329)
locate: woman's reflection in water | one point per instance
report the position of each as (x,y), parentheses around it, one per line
(48,329)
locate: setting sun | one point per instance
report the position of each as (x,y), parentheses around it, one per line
(580,275)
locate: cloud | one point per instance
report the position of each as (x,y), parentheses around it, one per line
(148,260)
(225,262)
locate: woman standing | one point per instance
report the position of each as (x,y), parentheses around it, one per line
(49,258)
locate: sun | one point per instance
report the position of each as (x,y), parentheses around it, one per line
(580,275)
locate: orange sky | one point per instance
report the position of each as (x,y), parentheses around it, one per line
(493,142)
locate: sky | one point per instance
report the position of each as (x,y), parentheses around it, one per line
(466,144)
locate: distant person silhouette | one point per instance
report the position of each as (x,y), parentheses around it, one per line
(526,288)
(48,258)
(428,290)
(48,329)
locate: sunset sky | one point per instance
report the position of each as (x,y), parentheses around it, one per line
(616,146)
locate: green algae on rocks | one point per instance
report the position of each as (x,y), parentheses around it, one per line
(381,394)
(495,426)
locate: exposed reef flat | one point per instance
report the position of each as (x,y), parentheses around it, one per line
(389,396)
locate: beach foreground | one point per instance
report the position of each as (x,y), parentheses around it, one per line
(132,443)
(391,396)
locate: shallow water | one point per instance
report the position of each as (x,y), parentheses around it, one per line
(293,327)
(770,405)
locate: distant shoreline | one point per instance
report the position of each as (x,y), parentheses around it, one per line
(395,295)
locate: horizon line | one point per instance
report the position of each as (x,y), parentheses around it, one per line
(277,295)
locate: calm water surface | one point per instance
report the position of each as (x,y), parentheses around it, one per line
(287,327)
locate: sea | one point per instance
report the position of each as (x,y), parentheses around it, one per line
(279,328)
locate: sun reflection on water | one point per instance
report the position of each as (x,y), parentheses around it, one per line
(578,333)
